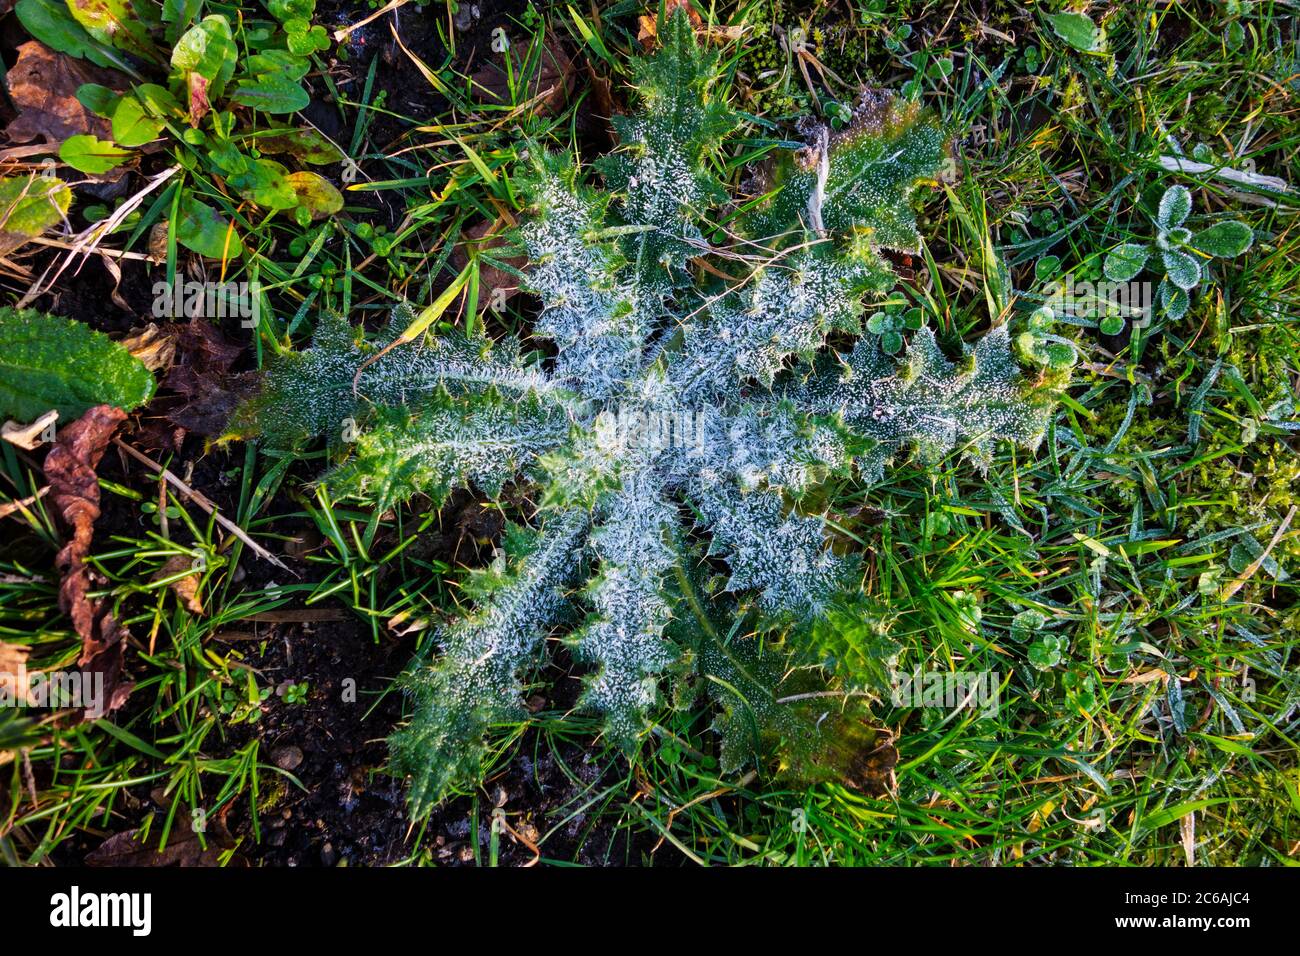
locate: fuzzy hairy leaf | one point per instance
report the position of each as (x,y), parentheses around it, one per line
(1175,207)
(786,312)
(1223,239)
(764,708)
(781,557)
(596,317)
(47,361)
(928,403)
(865,184)
(479,440)
(623,636)
(311,393)
(1125,261)
(660,174)
(475,682)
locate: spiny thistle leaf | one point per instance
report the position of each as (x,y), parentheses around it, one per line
(597,319)
(475,680)
(482,440)
(861,183)
(675,413)
(311,393)
(660,175)
(782,558)
(787,311)
(926,402)
(766,709)
(623,637)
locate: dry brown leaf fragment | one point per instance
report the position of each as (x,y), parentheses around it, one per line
(185,588)
(20,506)
(43,86)
(153,346)
(201,376)
(872,772)
(74,490)
(157,245)
(14,685)
(184,848)
(495,286)
(199,106)
(32,436)
(550,81)
(648,26)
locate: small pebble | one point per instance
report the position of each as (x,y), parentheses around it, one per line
(287,758)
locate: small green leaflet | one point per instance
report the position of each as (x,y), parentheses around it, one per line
(28,206)
(1078,30)
(202,229)
(271,93)
(91,155)
(132,126)
(207,49)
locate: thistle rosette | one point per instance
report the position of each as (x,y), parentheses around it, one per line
(684,417)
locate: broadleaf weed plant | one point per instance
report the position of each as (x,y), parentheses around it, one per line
(710,373)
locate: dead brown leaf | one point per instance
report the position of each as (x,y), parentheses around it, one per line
(201,377)
(186,589)
(158,242)
(43,86)
(74,490)
(199,106)
(872,772)
(153,346)
(551,80)
(195,361)
(13,671)
(599,107)
(183,848)
(648,26)
(495,286)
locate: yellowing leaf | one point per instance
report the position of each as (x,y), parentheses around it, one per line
(29,205)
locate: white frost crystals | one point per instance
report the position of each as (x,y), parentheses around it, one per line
(681,424)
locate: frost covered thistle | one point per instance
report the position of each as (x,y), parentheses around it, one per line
(683,418)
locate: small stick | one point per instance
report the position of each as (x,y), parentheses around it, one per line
(93,235)
(342,34)
(301,616)
(819,193)
(1176,164)
(10,507)
(203,502)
